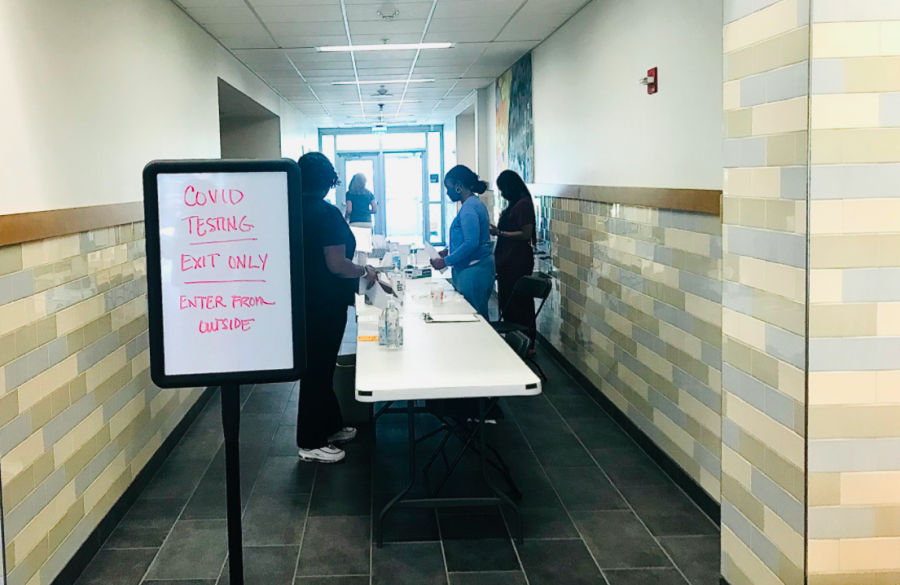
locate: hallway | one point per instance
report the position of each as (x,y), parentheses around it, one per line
(597,509)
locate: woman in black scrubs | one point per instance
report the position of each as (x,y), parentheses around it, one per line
(514,254)
(332,280)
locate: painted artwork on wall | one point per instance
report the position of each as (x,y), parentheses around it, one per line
(515,124)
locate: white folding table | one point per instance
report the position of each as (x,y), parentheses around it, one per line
(438,361)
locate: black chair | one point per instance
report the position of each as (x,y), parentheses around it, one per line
(536,286)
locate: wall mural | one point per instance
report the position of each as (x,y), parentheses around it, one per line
(515,125)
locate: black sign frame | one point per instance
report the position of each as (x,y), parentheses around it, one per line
(154,273)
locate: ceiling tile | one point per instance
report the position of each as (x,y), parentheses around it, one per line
(248,42)
(223,15)
(536,7)
(408,11)
(284,14)
(243,29)
(310,29)
(476,8)
(387,29)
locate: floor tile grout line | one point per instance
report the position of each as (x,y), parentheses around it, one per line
(437,520)
(621,495)
(513,540)
(584,392)
(194,491)
(565,507)
(312,490)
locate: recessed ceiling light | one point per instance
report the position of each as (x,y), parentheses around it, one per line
(379,102)
(371,115)
(382,82)
(386,47)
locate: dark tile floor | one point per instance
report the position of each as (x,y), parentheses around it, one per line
(596,508)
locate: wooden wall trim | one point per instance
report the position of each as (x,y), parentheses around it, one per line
(28,227)
(698,200)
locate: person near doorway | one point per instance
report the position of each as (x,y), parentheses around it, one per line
(331,281)
(361,204)
(514,254)
(470,254)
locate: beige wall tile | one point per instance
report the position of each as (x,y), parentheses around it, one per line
(870,489)
(746,561)
(872,75)
(827,217)
(824,556)
(12,316)
(824,489)
(870,554)
(732,96)
(860,110)
(779,117)
(843,320)
(826,286)
(871,216)
(842,388)
(887,386)
(846,39)
(785,538)
(763,24)
(878,145)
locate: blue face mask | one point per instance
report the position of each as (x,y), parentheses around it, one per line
(453,195)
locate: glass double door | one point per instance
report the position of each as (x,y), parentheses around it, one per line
(399,182)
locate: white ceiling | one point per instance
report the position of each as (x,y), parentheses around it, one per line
(277,40)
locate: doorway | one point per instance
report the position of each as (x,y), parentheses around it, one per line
(247,130)
(399,181)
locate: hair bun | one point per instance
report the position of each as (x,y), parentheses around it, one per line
(479,187)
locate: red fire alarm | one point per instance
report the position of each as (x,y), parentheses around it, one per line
(651,81)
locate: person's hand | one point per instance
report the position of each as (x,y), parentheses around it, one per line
(494,230)
(444,253)
(438,264)
(371,276)
(386,288)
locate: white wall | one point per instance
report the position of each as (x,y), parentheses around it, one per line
(594,125)
(466,146)
(95,89)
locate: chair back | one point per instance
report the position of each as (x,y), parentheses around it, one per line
(519,343)
(537,286)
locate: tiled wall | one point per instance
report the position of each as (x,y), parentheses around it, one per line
(637,308)
(854,383)
(79,417)
(766,60)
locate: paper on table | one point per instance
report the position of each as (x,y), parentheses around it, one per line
(452,319)
(432,253)
(375,295)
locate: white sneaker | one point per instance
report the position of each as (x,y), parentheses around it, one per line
(328,454)
(345,435)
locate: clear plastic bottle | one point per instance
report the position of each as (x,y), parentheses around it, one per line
(395,256)
(398,282)
(394,329)
(382,328)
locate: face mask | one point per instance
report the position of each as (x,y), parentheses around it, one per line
(453,195)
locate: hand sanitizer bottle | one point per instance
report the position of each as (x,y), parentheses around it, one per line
(394,334)
(382,328)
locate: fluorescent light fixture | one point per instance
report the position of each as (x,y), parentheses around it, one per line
(376,115)
(388,47)
(378,103)
(383,82)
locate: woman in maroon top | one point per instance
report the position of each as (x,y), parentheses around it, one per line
(514,254)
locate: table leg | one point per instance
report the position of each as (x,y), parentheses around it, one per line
(411,414)
(520,536)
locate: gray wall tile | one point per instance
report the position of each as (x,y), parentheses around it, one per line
(855,10)
(776,498)
(751,536)
(16,373)
(737,297)
(753,90)
(871,285)
(855,181)
(786,346)
(841,522)
(744,386)
(14,432)
(827,76)
(794,183)
(701,286)
(854,354)
(709,461)
(697,389)
(836,455)
(778,247)
(890,110)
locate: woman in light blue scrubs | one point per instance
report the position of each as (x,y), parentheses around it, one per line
(471,254)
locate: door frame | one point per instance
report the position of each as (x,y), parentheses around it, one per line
(341,159)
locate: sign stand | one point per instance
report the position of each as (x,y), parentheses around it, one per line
(231,425)
(225,292)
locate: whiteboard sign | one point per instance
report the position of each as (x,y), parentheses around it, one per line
(223,261)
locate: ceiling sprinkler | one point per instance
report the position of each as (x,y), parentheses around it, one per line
(389,17)
(380,127)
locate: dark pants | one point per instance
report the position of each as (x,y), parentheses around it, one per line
(518,309)
(318,413)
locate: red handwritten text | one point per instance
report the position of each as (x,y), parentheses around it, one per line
(189,262)
(204,302)
(202,226)
(248,261)
(237,302)
(225,325)
(193,197)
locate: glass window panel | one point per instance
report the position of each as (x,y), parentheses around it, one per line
(328,146)
(358,142)
(434,220)
(403,197)
(434,191)
(434,153)
(408,141)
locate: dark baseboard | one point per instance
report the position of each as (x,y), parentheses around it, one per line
(672,469)
(86,552)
